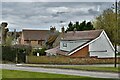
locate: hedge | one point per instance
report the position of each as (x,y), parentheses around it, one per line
(68,60)
(9,53)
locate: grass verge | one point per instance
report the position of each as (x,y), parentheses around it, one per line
(16,74)
(101,69)
(84,68)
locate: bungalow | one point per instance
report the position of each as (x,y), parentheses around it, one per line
(91,43)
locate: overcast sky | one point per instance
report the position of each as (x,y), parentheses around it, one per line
(41,15)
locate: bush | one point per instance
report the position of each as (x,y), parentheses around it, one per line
(40,51)
(9,53)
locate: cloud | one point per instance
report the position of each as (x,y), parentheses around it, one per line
(58,9)
(41,15)
(57,1)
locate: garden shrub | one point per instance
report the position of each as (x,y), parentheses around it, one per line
(9,52)
(40,51)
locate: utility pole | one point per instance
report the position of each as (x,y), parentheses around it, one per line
(116,31)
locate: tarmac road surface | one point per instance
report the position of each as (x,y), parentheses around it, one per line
(62,71)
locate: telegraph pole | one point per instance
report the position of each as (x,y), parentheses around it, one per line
(116,31)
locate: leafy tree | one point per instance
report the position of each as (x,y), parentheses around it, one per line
(9,40)
(89,26)
(70,26)
(107,21)
(119,22)
(80,26)
(4,32)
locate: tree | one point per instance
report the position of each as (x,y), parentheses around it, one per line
(80,27)
(107,21)
(70,26)
(89,26)
(119,22)
(76,25)
(4,32)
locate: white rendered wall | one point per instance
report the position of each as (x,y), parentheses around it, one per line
(71,44)
(101,44)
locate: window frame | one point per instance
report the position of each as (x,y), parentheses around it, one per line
(64,44)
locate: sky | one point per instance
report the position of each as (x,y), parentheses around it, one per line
(41,14)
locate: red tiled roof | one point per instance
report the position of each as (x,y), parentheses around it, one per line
(35,34)
(86,35)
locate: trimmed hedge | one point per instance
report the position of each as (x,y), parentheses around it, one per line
(9,53)
(68,60)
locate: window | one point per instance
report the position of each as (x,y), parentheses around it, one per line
(64,44)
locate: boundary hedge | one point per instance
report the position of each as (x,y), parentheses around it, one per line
(68,60)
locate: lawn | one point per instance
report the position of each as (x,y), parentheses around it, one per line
(85,68)
(12,74)
(90,68)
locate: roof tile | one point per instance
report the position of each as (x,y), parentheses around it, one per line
(35,34)
(78,35)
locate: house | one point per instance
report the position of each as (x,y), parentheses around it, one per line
(91,43)
(35,38)
(38,38)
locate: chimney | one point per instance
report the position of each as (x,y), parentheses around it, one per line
(63,32)
(63,29)
(54,29)
(74,30)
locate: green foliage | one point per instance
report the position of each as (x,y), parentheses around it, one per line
(118,54)
(25,75)
(9,40)
(4,32)
(107,21)
(84,68)
(40,51)
(9,53)
(80,26)
(70,26)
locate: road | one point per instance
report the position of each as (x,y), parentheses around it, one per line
(94,65)
(62,71)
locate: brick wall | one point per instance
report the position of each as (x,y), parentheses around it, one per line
(81,53)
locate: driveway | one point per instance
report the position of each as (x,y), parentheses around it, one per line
(61,71)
